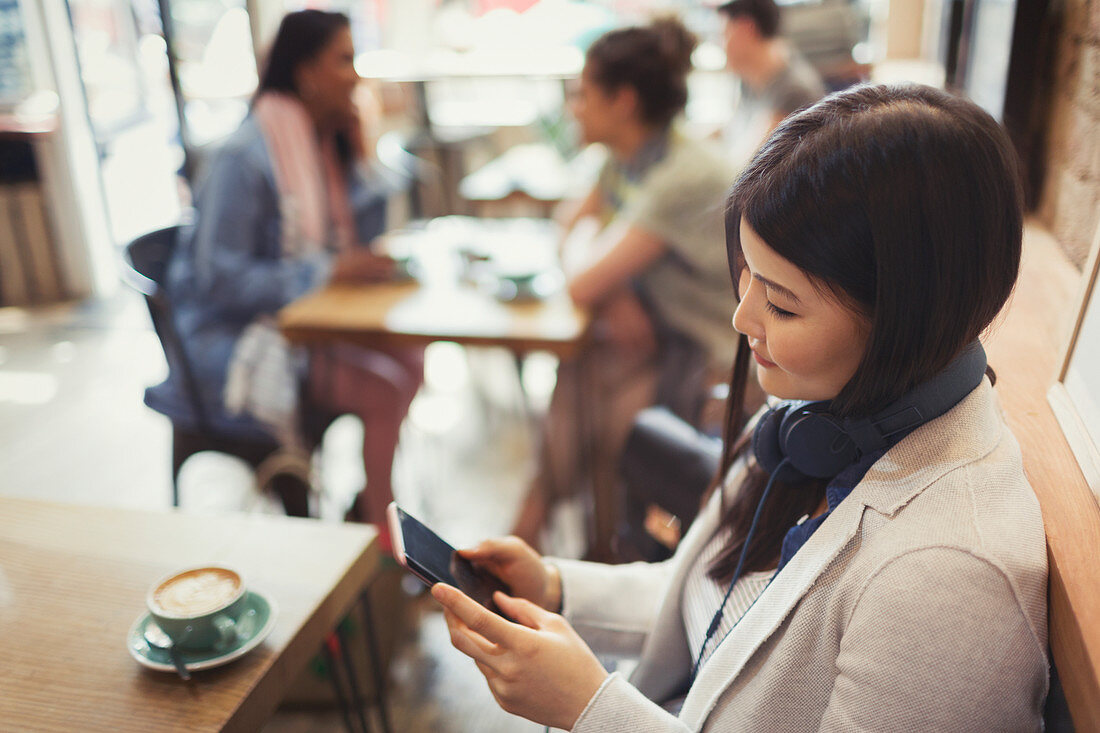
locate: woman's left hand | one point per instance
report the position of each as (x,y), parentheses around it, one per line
(537,668)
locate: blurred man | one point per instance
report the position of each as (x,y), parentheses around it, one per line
(775,79)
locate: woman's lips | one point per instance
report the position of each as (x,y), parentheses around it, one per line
(762,361)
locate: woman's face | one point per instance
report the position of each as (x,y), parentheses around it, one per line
(805,343)
(327,82)
(595,110)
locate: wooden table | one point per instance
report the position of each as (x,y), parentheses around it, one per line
(439,306)
(73,580)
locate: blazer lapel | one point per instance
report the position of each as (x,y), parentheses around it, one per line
(965,433)
(773,606)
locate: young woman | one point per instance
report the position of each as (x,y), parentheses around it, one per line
(873,239)
(651,275)
(284,207)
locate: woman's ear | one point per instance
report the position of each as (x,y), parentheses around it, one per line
(624,101)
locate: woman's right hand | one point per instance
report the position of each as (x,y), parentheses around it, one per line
(521,568)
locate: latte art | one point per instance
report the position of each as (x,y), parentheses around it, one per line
(196,592)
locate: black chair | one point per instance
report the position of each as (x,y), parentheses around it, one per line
(194,428)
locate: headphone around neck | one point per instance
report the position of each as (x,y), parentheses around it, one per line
(798,440)
(812,443)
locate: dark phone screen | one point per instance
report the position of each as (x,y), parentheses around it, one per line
(435,561)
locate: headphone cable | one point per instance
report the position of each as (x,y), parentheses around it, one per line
(717,620)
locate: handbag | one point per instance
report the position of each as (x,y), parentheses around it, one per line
(667,462)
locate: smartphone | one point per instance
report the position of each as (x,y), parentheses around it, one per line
(433,560)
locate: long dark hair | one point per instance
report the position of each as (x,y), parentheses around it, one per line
(901,201)
(654,60)
(301,36)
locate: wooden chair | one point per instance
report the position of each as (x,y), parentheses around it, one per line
(194,429)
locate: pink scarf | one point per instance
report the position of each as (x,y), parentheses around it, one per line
(313,192)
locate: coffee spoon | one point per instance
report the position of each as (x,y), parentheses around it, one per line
(156,638)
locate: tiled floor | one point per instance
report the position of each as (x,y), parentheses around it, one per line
(73,428)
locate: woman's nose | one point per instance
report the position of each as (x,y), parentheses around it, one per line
(745,318)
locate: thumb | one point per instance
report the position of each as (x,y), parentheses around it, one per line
(521,610)
(490,550)
(480,553)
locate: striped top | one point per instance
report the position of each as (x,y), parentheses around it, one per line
(703,595)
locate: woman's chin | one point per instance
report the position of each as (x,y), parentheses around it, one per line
(783,390)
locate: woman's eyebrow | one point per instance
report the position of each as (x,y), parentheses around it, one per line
(778,288)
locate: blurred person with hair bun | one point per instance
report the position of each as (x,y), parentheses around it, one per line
(643,252)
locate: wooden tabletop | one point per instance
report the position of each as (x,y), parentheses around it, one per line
(440,305)
(73,580)
(407,314)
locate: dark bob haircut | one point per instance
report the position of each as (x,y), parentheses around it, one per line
(904,204)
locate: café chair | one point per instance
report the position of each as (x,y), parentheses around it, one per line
(194,428)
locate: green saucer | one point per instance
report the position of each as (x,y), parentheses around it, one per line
(254,624)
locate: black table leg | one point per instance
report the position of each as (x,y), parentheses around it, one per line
(337,685)
(374,653)
(353,678)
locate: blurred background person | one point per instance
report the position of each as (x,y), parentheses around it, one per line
(775,78)
(644,252)
(285,207)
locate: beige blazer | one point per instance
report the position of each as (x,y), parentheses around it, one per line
(919,604)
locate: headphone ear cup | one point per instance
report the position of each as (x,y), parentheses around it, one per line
(815,443)
(766,444)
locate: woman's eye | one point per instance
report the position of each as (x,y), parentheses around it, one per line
(779,312)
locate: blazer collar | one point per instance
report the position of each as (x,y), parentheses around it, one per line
(964,434)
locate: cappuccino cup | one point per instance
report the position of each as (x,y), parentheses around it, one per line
(198,607)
